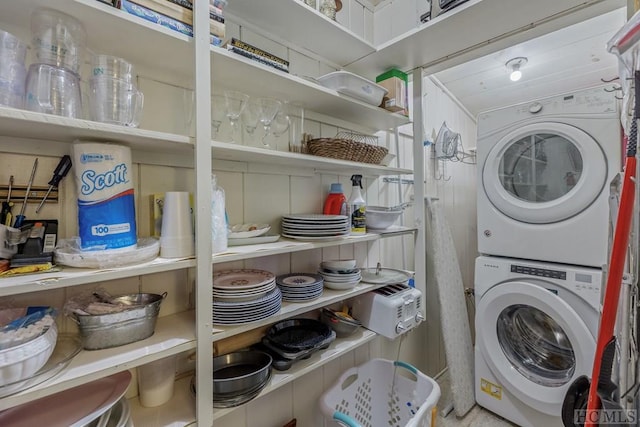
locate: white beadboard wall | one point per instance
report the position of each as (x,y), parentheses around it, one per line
(264,195)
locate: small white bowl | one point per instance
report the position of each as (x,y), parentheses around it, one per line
(339,264)
(24,360)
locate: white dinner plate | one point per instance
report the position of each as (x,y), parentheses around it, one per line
(315,217)
(323,238)
(269,238)
(241,279)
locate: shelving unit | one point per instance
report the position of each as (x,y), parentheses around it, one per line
(173,334)
(313,30)
(280,378)
(117,33)
(439,43)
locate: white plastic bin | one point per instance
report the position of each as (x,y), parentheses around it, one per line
(381,392)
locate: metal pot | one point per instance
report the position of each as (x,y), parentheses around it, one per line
(240,372)
(115,329)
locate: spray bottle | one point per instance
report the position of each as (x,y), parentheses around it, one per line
(357,206)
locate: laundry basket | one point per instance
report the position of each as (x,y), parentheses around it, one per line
(381,392)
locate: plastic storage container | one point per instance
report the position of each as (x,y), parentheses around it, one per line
(336,202)
(381,392)
(355,86)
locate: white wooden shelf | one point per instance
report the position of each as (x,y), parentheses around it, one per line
(68,276)
(242,153)
(178,412)
(284,246)
(232,71)
(312,29)
(280,378)
(473,30)
(173,334)
(46,127)
(291,309)
(115,32)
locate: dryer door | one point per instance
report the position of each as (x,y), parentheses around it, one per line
(534,342)
(544,173)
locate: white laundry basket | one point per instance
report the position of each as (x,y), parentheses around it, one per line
(381,392)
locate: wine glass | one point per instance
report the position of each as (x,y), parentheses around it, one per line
(280,124)
(268,108)
(218,113)
(235,103)
(250,117)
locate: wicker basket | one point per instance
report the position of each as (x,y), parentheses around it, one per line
(346,147)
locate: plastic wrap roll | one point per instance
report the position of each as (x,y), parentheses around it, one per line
(106,208)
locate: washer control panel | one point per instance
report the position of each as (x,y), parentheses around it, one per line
(540,272)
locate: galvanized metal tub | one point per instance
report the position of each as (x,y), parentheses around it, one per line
(115,329)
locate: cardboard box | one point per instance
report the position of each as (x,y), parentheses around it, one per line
(396,82)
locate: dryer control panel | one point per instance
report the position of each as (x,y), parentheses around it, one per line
(540,272)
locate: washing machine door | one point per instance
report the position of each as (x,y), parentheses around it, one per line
(534,342)
(544,173)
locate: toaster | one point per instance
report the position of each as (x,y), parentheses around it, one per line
(390,310)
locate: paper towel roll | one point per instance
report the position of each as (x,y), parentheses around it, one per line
(106,208)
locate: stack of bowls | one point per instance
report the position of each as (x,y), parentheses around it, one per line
(340,274)
(53,81)
(12,70)
(114,97)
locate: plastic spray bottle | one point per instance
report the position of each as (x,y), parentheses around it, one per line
(357,207)
(336,202)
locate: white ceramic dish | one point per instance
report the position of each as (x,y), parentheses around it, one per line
(253,240)
(24,360)
(67,347)
(241,279)
(355,86)
(341,286)
(243,231)
(339,264)
(318,238)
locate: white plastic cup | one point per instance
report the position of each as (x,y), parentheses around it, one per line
(176,236)
(155,382)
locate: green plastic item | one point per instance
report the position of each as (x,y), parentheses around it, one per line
(394,72)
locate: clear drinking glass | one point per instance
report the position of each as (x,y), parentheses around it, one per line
(250,118)
(295,111)
(268,108)
(280,124)
(218,113)
(235,103)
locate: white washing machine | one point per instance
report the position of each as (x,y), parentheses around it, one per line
(544,173)
(536,332)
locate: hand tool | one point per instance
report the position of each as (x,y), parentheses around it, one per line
(5,215)
(60,172)
(20,218)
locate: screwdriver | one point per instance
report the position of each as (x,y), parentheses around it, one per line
(5,215)
(60,172)
(20,218)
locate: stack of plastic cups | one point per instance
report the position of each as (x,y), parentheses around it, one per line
(53,81)
(114,97)
(12,70)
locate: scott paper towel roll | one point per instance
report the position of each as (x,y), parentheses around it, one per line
(106,208)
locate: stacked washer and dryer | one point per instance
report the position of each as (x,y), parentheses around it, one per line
(544,174)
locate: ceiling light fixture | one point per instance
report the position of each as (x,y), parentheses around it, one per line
(514,65)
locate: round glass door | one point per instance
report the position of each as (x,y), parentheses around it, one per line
(536,345)
(534,342)
(544,173)
(540,167)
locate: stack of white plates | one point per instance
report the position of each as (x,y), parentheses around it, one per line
(243,296)
(315,226)
(296,287)
(340,279)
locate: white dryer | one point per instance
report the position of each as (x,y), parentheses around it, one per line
(544,173)
(536,330)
